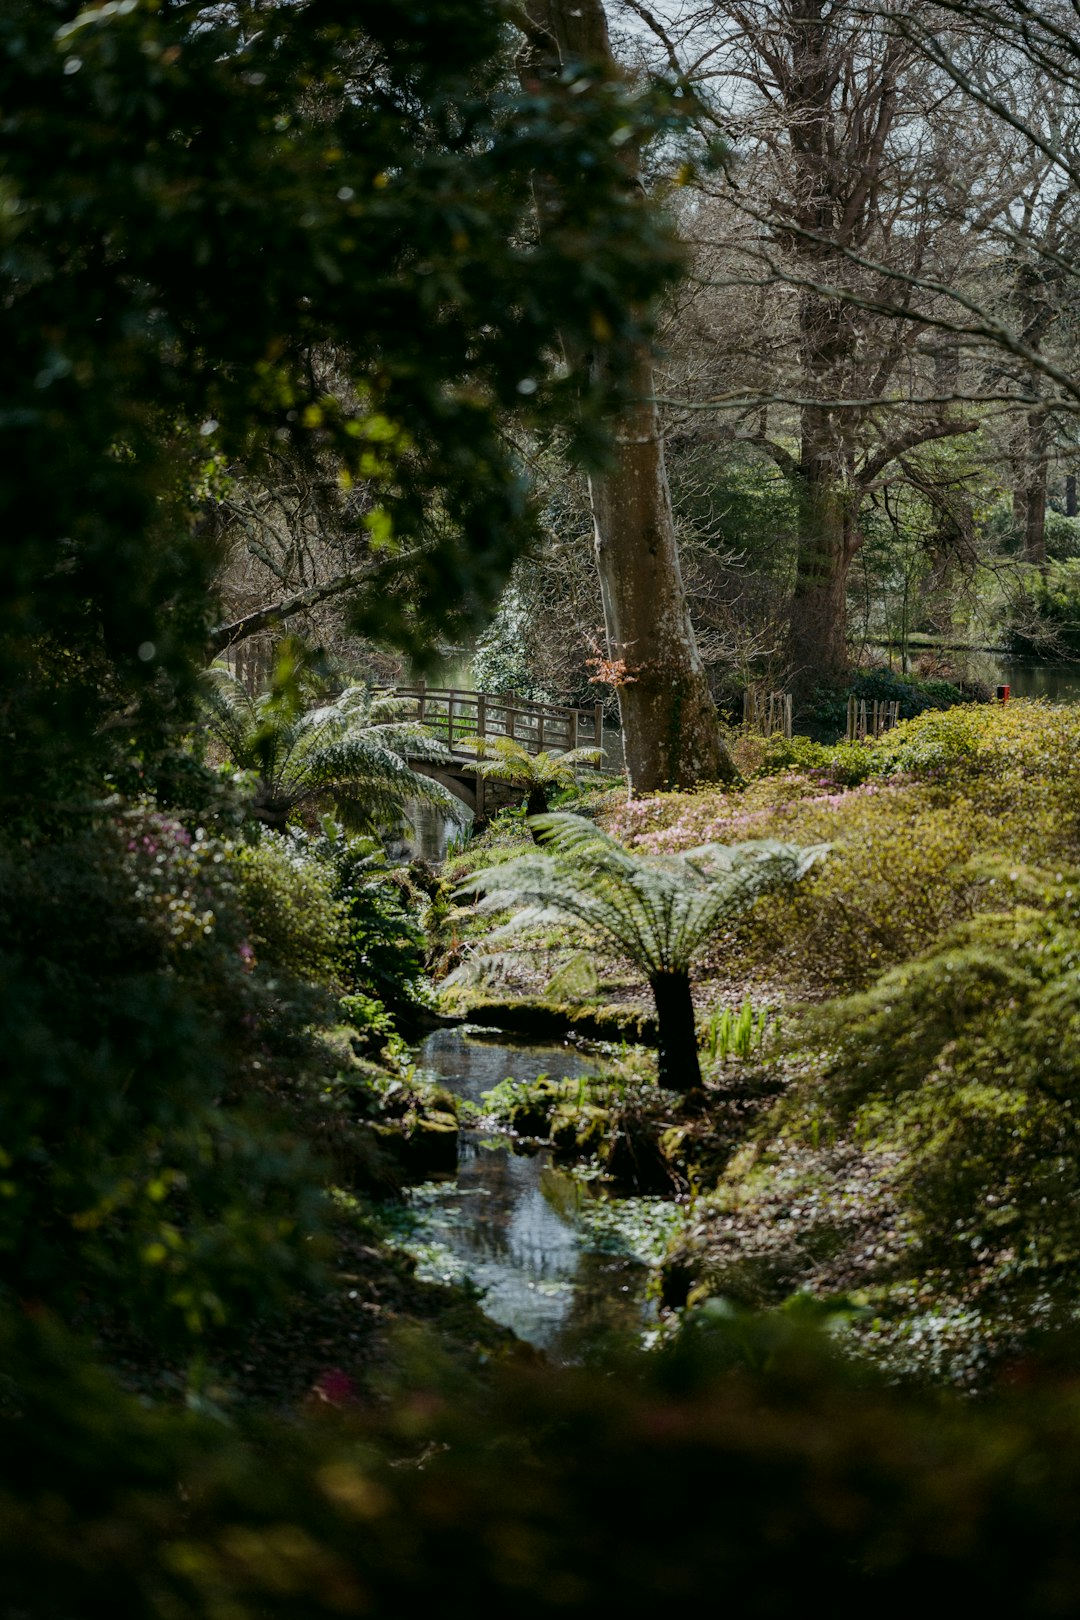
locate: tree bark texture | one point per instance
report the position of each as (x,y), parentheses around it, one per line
(670,730)
(678,1067)
(829,539)
(1034,497)
(836,176)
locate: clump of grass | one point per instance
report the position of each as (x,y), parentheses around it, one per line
(735,1034)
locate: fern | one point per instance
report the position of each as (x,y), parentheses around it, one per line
(503,759)
(661,911)
(354,752)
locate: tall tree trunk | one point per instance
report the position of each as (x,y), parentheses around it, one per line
(670,730)
(828,541)
(1035,491)
(1070,495)
(679,1067)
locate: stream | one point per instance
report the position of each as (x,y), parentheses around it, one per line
(554,1259)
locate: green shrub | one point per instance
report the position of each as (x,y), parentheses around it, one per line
(825,716)
(297,926)
(134,1008)
(968,1057)
(380,949)
(942,788)
(836,764)
(897,877)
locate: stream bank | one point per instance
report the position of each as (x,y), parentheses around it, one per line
(549,1253)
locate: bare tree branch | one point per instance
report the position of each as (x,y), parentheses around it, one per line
(227,635)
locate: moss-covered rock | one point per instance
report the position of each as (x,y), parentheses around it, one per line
(544,1020)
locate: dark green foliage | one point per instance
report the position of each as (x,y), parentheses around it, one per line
(198,198)
(133,1004)
(747,1458)
(383,946)
(825,716)
(197,202)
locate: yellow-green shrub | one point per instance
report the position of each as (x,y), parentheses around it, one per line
(949,790)
(969,1058)
(295,923)
(899,873)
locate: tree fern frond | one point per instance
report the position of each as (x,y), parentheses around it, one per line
(230,713)
(659,911)
(329,750)
(504,759)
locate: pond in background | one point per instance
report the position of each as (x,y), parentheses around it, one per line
(1059,682)
(561,1265)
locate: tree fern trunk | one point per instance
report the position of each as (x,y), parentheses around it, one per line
(537,805)
(679,1068)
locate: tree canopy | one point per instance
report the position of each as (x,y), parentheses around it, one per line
(225,228)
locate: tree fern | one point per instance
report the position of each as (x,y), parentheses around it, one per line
(661,911)
(354,751)
(504,759)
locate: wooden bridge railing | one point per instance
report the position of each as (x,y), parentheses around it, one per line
(452,713)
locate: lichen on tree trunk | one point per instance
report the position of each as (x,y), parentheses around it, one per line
(828,542)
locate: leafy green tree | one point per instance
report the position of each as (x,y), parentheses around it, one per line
(503,759)
(353,751)
(141,1008)
(198,200)
(660,911)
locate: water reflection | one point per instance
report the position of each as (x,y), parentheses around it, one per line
(1058,682)
(469,1065)
(512,1222)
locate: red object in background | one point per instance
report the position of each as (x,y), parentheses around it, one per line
(1003,694)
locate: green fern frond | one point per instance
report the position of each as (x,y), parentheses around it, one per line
(334,750)
(504,759)
(660,911)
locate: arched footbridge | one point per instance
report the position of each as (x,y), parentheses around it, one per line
(452,713)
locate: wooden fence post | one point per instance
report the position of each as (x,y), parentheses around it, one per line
(598,725)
